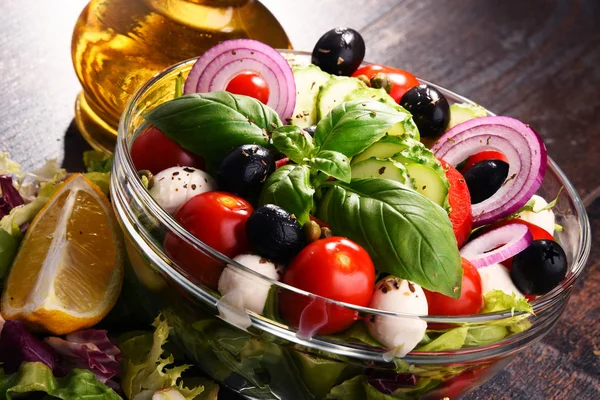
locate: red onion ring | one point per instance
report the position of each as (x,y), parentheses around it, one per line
(525,150)
(220,64)
(483,250)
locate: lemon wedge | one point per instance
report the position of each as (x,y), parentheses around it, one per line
(68,272)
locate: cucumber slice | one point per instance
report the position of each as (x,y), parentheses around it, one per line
(308,83)
(462,112)
(428,182)
(386,147)
(381,168)
(368,93)
(334,92)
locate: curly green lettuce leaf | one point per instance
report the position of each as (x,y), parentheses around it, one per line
(8,166)
(146,366)
(497,300)
(100,179)
(37,377)
(351,389)
(97,161)
(453,339)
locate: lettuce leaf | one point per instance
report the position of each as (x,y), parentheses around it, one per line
(17,346)
(453,339)
(497,300)
(146,368)
(38,377)
(97,161)
(351,389)
(100,179)
(8,166)
(50,172)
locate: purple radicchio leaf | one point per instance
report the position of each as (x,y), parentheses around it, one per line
(387,381)
(17,345)
(89,349)
(10,197)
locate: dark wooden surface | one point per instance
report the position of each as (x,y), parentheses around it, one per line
(536,60)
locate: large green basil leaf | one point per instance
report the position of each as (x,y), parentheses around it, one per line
(405,234)
(211,124)
(333,164)
(352,127)
(289,187)
(292,141)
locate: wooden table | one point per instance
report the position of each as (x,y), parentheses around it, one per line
(536,60)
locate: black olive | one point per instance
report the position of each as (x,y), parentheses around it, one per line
(339,51)
(429,108)
(539,268)
(485,178)
(244,170)
(311,130)
(274,234)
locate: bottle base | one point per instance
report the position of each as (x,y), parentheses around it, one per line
(99,134)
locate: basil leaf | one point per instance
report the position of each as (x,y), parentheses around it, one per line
(294,143)
(289,187)
(354,126)
(405,234)
(211,124)
(333,164)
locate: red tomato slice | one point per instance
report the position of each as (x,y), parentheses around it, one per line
(402,80)
(249,84)
(336,268)
(460,204)
(482,156)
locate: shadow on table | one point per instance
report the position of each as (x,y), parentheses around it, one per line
(74,146)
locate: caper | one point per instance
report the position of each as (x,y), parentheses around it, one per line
(381,80)
(312,231)
(326,232)
(147,178)
(365,79)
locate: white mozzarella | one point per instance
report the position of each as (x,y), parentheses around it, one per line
(174,186)
(544,219)
(251,290)
(497,277)
(400,334)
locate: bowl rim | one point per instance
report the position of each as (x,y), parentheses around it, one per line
(539,305)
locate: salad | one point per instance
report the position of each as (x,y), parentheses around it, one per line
(361,185)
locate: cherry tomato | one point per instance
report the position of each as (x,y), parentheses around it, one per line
(459,384)
(219,220)
(401,80)
(482,156)
(460,204)
(155,151)
(249,84)
(336,268)
(470,300)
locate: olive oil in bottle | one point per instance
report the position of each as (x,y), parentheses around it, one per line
(119,44)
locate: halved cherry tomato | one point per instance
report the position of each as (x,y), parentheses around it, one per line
(155,151)
(401,80)
(460,203)
(482,156)
(470,300)
(249,84)
(459,384)
(219,220)
(336,268)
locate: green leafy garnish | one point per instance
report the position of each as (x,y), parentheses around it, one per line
(146,367)
(295,143)
(530,205)
(290,188)
(35,377)
(497,300)
(211,124)
(352,127)
(453,339)
(405,234)
(332,163)
(351,389)
(97,161)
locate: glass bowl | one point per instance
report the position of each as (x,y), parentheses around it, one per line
(259,356)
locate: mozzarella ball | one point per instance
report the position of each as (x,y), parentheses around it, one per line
(401,334)
(174,186)
(252,289)
(544,219)
(497,277)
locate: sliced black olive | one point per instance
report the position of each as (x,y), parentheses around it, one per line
(274,234)
(429,108)
(485,178)
(339,51)
(244,170)
(539,268)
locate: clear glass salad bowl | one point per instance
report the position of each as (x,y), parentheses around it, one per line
(261,357)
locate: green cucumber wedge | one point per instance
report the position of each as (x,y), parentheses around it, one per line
(334,92)
(381,168)
(386,147)
(462,112)
(309,80)
(428,182)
